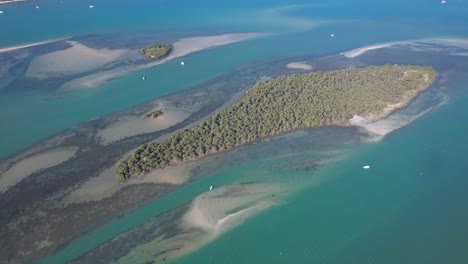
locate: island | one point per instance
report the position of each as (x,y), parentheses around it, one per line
(285,104)
(156,51)
(154,114)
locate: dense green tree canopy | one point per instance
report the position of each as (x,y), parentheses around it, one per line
(156,51)
(285,104)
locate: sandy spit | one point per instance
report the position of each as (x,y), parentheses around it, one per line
(129,126)
(299,65)
(181,48)
(58,63)
(12,48)
(28,165)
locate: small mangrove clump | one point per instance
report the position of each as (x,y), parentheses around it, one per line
(154,114)
(156,51)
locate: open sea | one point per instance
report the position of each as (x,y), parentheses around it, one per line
(410,207)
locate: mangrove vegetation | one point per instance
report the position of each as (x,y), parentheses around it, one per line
(284,104)
(156,51)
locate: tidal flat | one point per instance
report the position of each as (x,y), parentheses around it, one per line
(54,213)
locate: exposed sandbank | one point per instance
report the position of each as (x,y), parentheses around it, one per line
(105,184)
(214,210)
(11,1)
(76,59)
(210,215)
(359,51)
(129,126)
(181,48)
(12,48)
(457,42)
(299,65)
(26,166)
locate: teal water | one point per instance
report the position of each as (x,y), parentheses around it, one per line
(294,28)
(409,208)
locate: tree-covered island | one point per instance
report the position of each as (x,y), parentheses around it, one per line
(156,51)
(284,104)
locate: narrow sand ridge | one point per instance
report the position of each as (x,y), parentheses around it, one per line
(76,59)
(6,49)
(457,42)
(210,215)
(299,65)
(12,1)
(135,125)
(359,51)
(181,48)
(25,167)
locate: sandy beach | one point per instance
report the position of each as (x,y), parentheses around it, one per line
(393,121)
(26,166)
(299,65)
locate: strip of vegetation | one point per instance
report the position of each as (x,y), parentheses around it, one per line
(154,114)
(285,104)
(157,51)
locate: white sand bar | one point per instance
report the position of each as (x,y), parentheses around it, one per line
(26,166)
(458,42)
(76,59)
(129,126)
(210,215)
(13,1)
(181,48)
(299,65)
(359,51)
(186,46)
(12,48)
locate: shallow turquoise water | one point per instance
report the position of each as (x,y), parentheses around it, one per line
(409,208)
(293,28)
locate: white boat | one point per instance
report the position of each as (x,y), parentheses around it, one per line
(332,35)
(143,78)
(37,7)
(91,6)
(366,167)
(182,63)
(443,1)
(211,187)
(1,12)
